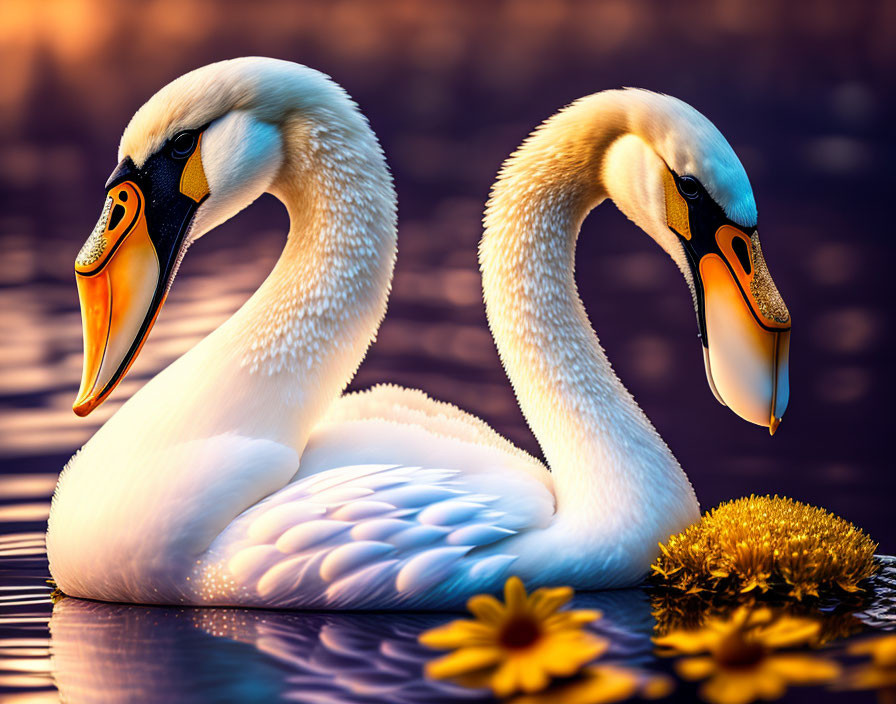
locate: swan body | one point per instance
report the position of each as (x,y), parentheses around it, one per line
(240,476)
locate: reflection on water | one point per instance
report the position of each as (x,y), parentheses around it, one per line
(83,651)
(103,651)
(107,653)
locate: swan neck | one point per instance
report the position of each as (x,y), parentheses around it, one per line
(604,454)
(301,337)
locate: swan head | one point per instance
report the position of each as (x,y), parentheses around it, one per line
(674,174)
(199,151)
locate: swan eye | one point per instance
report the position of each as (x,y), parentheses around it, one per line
(689,187)
(182,145)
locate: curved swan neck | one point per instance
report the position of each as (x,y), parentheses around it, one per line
(299,340)
(605,455)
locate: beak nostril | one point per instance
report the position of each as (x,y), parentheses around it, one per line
(117,214)
(739,245)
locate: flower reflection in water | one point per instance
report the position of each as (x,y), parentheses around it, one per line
(879,672)
(674,611)
(741,659)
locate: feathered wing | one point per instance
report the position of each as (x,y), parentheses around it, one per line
(372,536)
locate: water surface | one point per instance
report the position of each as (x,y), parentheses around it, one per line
(85,651)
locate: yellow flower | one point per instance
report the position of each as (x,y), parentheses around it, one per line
(880,673)
(766,543)
(600,684)
(518,645)
(738,657)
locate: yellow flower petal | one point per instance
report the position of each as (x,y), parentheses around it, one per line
(515,596)
(546,601)
(739,688)
(533,678)
(802,669)
(657,687)
(562,655)
(462,661)
(846,586)
(788,632)
(458,634)
(600,685)
(570,619)
(767,683)
(688,642)
(487,609)
(695,668)
(754,617)
(507,678)
(881,648)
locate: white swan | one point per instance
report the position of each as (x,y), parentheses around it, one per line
(237,476)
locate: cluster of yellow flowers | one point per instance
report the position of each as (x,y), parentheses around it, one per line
(529,650)
(743,658)
(767,543)
(533,651)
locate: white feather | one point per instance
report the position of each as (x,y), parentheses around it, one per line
(422,554)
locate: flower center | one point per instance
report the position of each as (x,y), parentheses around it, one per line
(735,651)
(519,633)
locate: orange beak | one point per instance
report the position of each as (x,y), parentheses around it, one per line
(124,269)
(747,331)
(117,273)
(743,321)
(128,262)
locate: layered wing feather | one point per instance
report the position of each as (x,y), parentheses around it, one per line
(378,536)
